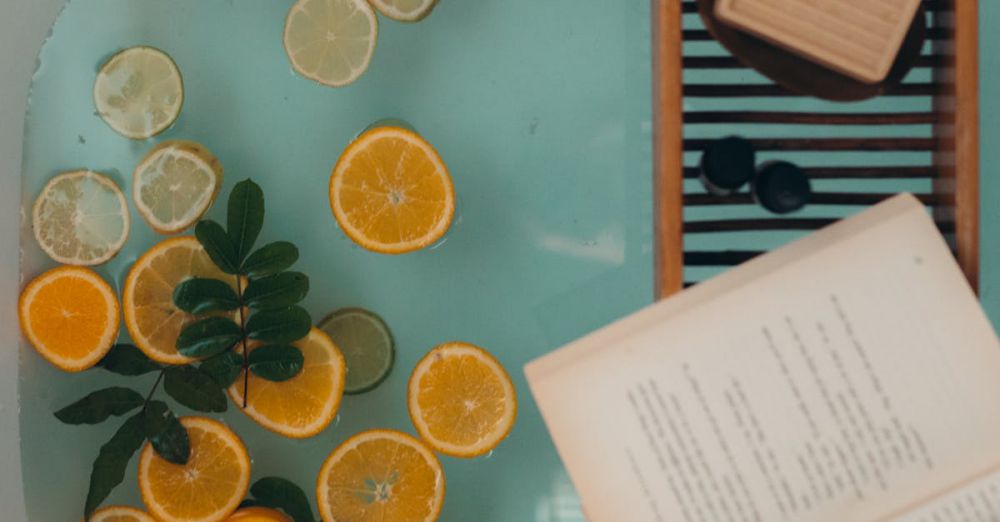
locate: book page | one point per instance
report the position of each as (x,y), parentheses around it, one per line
(849,376)
(976,501)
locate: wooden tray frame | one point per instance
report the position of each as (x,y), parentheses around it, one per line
(956,135)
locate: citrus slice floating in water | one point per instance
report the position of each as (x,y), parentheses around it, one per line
(391,192)
(405,10)
(331,41)
(81,218)
(152,320)
(139,92)
(120,514)
(461,400)
(304,405)
(259,514)
(175,184)
(70,316)
(209,487)
(380,475)
(366,343)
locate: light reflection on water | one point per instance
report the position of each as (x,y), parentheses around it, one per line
(561,504)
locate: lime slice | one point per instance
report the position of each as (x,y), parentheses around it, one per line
(366,343)
(331,41)
(81,218)
(175,185)
(405,10)
(139,92)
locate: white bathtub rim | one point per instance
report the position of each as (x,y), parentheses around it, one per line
(23,30)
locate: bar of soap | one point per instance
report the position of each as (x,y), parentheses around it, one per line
(859,38)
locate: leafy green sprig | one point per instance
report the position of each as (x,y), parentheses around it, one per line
(263,308)
(265,299)
(154,420)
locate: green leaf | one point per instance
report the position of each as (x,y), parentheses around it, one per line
(100,405)
(276,291)
(208,337)
(276,362)
(125,359)
(194,389)
(223,368)
(282,325)
(165,433)
(200,295)
(218,246)
(279,493)
(271,259)
(247,502)
(245,217)
(109,467)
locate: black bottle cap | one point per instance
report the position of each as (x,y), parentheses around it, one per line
(727,164)
(781,187)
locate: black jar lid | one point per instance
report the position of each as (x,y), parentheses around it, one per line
(728,163)
(782,187)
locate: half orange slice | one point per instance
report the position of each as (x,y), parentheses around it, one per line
(152,320)
(70,316)
(391,192)
(461,400)
(305,404)
(120,514)
(380,475)
(206,489)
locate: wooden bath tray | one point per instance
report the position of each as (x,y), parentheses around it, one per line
(921,137)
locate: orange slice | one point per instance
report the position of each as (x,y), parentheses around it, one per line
(305,404)
(206,489)
(71,316)
(120,514)
(152,320)
(391,192)
(461,400)
(380,475)
(259,514)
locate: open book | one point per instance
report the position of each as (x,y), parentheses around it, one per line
(850,376)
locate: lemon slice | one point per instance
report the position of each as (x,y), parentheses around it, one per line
(139,92)
(175,185)
(331,41)
(81,218)
(405,10)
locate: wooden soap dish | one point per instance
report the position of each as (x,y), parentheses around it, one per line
(802,76)
(859,38)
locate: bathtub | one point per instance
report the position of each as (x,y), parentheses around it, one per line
(22,32)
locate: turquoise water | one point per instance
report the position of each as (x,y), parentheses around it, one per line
(989,67)
(540,109)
